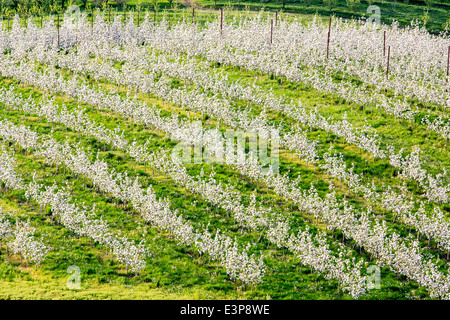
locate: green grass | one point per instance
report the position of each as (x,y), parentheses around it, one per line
(175,272)
(284,280)
(160,271)
(401,11)
(207,10)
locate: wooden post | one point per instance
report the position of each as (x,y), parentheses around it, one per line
(221,20)
(193,13)
(389,57)
(92,18)
(448,62)
(154,18)
(124,15)
(41,20)
(8,21)
(139,14)
(271,31)
(109,15)
(328,41)
(384,45)
(276,18)
(57,27)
